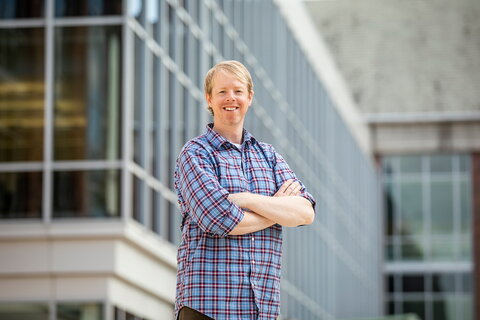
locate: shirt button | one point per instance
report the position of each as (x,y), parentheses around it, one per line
(253,261)
(253,239)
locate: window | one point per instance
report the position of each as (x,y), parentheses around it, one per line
(66,8)
(20,195)
(22,9)
(24,311)
(94,193)
(87,93)
(21,94)
(79,311)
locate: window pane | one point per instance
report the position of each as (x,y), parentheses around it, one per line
(390,284)
(467,305)
(443,247)
(391,208)
(390,251)
(442,207)
(139,189)
(20,195)
(64,8)
(24,311)
(411,204)
(86,193)
(465,206)
(74,311)
(441,163)
(467,282)
(87,93)
(415,307)
(21,94)
(412,248)
(446,309)
(443,282)
(21,9)
(411,164)
(389,165)
(464,163)
(413,283)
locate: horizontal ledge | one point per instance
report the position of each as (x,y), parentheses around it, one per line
(421,117)
(93,229)
(427,267)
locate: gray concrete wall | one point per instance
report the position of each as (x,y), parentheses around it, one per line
(405,56)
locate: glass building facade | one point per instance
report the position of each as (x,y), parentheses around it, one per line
(98,97)
(428,229)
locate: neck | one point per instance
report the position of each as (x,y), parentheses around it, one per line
(231,134)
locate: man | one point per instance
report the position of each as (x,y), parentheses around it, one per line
(235,195)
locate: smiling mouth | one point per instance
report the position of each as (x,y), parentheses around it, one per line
(230,108)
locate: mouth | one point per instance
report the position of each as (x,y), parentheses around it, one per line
(230,108)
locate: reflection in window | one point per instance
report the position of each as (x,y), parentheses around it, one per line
(414,307)
(87,93)
(20,195)
(447,308)
(411,204)
(86,193)
(21,94)
(411,249)
(65,8)
(11,9)
(79,311)
(442,207)
(443,282)
(24,311)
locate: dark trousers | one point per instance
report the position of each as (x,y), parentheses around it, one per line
(187,313)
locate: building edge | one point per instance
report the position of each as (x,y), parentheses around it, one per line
(320,57)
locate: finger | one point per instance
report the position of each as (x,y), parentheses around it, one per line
(291,188)
(285,186)
(296,190)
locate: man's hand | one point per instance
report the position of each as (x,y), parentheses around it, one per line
(289,188)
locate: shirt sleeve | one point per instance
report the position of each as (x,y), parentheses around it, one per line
(283,173)
(203,196)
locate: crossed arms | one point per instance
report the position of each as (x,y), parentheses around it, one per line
(286,208)
(218,212)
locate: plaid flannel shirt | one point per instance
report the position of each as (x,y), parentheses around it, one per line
(224,276)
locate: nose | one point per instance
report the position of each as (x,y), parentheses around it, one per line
(230,96)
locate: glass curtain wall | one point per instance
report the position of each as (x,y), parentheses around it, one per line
(60,109)
(428,236)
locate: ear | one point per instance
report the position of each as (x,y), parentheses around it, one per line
(250,97)
(208,98)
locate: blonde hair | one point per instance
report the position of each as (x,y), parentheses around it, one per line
(237,69)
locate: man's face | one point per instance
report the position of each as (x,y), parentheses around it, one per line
(229,99)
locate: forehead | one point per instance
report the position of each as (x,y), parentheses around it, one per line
(224,78)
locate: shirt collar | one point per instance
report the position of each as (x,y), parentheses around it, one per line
(218,141)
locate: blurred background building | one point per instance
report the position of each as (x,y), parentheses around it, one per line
(413,68)
(96,100)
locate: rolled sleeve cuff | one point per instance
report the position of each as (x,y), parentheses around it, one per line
(309,197)
(229,221)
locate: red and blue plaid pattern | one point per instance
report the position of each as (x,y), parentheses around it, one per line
(223,276)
